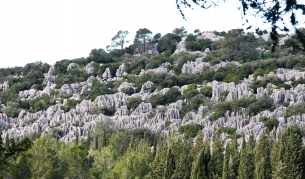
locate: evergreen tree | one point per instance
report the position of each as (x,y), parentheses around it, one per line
(226,172)
(201,167)
(170,164)
(183,161)
(234,157)
(217,157)
(242,172)
(274,156)
(291,154)
(76,137)
(280,171)
(158,165)
(197,146)
(262,158)
(246,166)
(261,170)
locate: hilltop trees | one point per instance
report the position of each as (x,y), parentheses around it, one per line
(276,13)
(120,39)
(143,36)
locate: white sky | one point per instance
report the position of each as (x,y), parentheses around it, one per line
(52,30)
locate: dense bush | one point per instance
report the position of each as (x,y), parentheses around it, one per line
(133,103)
(227,130)
(206,91)
(98,89)
(71,104)
(168,42)
(108,111)
(269,123)
(172,95)
(261,104)
(156,99)
(190,130)
(295,109)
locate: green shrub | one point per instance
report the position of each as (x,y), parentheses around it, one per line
(261,104)
(218,114)
(206,91)
(295,110)
(296,82)
(190,130)
(227,130)
(269,123)
(172,95)
(71,104)
(133,103)
(156,99)
(168,42)
(286,104)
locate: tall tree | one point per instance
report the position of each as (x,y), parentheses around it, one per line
(180,31)
(246,166)
(201,167)
(170,164)
(120,39)
(234,157)
(143,36)
(217,157)
(291,153)
(262,157)
(227,172)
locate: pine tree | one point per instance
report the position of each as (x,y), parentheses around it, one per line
(201,167)
(217,157)
(262,158)
(183,162)
(170,164)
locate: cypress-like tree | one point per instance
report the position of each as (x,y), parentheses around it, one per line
(76,137)
(246,166)
(197,146)
(183,162)
(291,154)
(170,164)
(243,160)
(261,170)
(226,172)
(217,157)
(262,158)
(201,167)
(234,156)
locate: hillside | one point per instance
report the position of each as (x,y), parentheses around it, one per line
(215,79)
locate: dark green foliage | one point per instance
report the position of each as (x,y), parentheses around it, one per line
(206,91)
(197,45)
(156,99)
(290,155)
(172,95)
(295,109)
(133,103)
(98,89)
(261,104)
(71,104)
(202,165)
(99,56)
(228,130)
(168,42)
(190,130)
(220,109)
(170,164)
(296,82)
(239,46)
(217,157)
(269,123)
(262,157)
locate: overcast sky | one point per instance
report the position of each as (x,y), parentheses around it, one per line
(52,30)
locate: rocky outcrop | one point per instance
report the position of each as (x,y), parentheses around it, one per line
(4,86)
